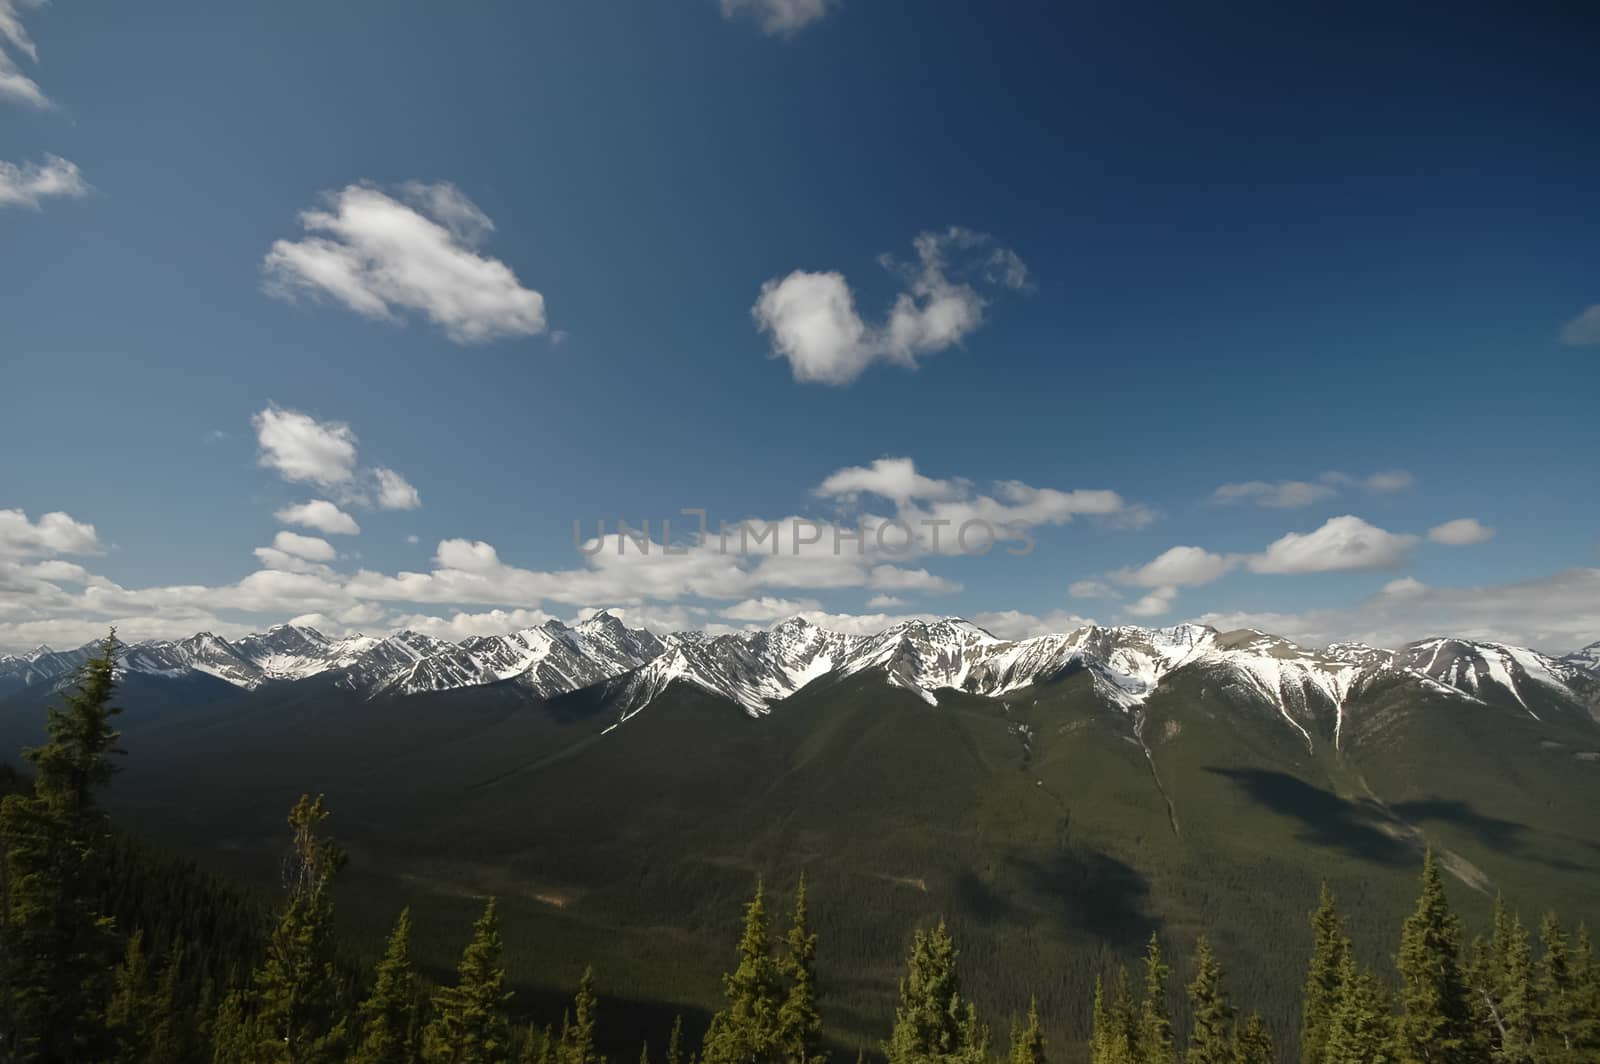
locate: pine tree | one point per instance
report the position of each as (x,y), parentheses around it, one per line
(1027,1038)
(296,1010)
(1559,1015)
(1434,1025)
(1586,995)
(1360,1028)
(577,1045)
(469,1023)
(1252,1044)
(933,1023)
(1211,1017)
(132,1011)
(390,1030)
(675,1041)
(748,1029)
(1501,982)
(1322,979)
(59,947)
(644,1053)
(799,1021)
(1155,1019)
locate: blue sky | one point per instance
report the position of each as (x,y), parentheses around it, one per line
(1075,266)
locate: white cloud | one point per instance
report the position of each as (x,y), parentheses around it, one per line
(311,548)
(395,491)
(778,18)
(812,320)
(321,515)
(26,185)
(300,448)
(1091,589)
(1154,604)
(461,625)
(885,602)
(1341,543)
(1291,494)
(1584,329)
(1014,624)
(1283,494)
(1405,585)
(768,608)
(892,478)
(53,533)
(1178,567)
(14,84)
(1462,532)
(380,256)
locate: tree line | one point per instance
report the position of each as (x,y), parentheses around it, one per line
(97,966)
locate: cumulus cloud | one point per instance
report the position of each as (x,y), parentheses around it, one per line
(1462,532)
(1014,624)
(384,255)
(1584,329)
(311,548)
(321,515)
(1291,494)
(778,18)
(14,40)
(462,625)
(1091,589)
(1157,602)
(28,184)
(768,608)
(395,491)
(1178,567)
(298,447)
(812,321)
(1341,543)
(53,533)
(885,602)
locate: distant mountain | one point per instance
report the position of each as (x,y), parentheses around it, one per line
(759,670)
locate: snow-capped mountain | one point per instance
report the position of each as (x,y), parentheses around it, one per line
(1310,689)
(1587,659)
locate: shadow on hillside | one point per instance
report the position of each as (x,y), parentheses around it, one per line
(1362,829)
(1503,836)
(1093,894)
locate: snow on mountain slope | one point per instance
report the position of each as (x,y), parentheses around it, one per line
(1486,670)
(1587,659)
(757,669)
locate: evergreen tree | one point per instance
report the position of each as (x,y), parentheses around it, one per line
(1115,1039)
(675,1041)
(1360,1028)
(1155,1019)
(1027,1038)
(644,1053)
(469,1023)
(577,1044)
(799,1021)
(933,1023)
(59,946)
(296,1010)
(132,1011)
(1322,979)
(1560,1015)
(390,1028)
(1586,996)
(1252,1043)
(1435,1020)
(748,1028)
(1501,981)
(1210,1015)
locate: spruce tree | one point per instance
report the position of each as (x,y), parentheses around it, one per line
(389,1017)
(59,947)
(1027,1038)
(1252,1043)
(1559,1014)
(133,1009)
(1328,947)
(296,1009)
(469,1023)
(1501,989)
(1586,995)
(1360,1028)
(577,1045)
(1435,1019)
(747,1028)
(1155,1019)
(799,1021)
(933,1023)
(1210,1015)
(675,1041)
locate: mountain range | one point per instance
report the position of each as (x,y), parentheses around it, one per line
(759,670)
